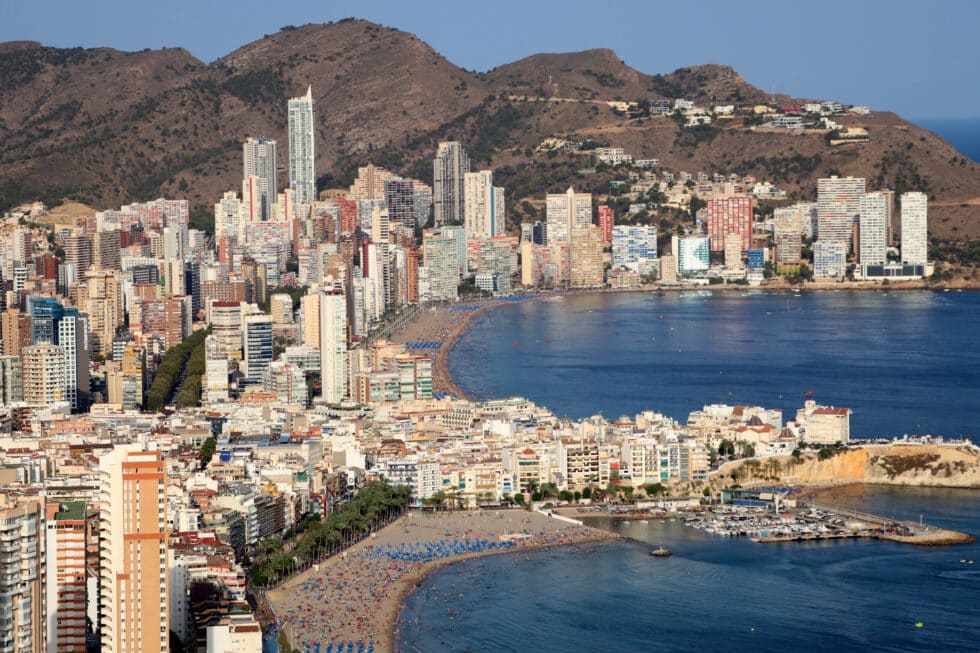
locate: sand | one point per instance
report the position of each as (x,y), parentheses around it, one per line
(354,597)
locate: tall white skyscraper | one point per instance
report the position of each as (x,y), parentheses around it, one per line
(302,148)
(259,160)
(448,170)
(873,241)
(483,205)
(333,345)
(838,207)
(914,228)
(566,212)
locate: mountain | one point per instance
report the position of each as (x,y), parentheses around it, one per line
(105,127)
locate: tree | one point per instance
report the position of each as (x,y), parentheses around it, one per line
(654,489)
(587,493)
(207,450)
(519,499)
(726,448)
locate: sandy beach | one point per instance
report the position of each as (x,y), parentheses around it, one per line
(356,596)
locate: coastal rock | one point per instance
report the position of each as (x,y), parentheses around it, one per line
(894,464)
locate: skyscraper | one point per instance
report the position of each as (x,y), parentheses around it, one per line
(729,215)
(838,207)
(483,205)
(257,340)
(44,374)
(333,346)
(606,223)
(400,197)
(448,169)
(11,380)
(302,148)
(22,574)
(914,228)
(565,212)
(133,614)
(873,225)
(67,578)
(66,327)
(259,160)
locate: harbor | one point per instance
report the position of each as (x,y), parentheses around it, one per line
(772,514)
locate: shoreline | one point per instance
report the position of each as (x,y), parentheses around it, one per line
(438,322)
(358,595)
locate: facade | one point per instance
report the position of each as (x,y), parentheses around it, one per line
(44,374)
(729,215)
(399,195)
(605,215)
(634,247)
(216,371)
(133,601)
(259,161)
(66,596)
(483,205)
(448,170)
(257,346)
(693,255)
(873,230)
(824,424)
(564,212)
(838,208)
(11,380)
(22,574)
(333,346)
(915,240)
(440,259)
(787,236)
(585,268)
(829,259)
(302,148)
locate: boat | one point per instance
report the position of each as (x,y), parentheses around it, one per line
(626,522)
(660,552)
(643,521)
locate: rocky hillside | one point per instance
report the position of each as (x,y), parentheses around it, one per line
(896,464)
(105,127)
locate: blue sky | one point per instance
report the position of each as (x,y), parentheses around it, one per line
(918,59)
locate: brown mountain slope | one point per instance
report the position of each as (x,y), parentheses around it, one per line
(106,127)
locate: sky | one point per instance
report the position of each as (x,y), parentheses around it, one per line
(917,59)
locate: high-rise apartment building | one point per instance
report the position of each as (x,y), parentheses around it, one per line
(585,268)
(440,258)
(11,380)
(44,374)
(483,205)
(399,196)
(605,215)
(838,208)
(788,238)
(565,212)
(829,259)
(729,215)
(302,148)
(448,170)
(133,615)
(693,255)
(333,346)
(66,595)
(257,342)
(635,247)
(915,233)
(216,371)
(259,161)
(873,225)
(22,574)
(15,328)
(79,250)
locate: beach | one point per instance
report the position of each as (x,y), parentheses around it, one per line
(356,596)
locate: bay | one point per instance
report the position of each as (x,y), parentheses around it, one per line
(903,361)
(715,593)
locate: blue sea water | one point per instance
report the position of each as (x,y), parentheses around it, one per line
(715,594)
(904,362)
(961,133)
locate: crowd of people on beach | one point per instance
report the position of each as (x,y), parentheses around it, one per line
(349,603)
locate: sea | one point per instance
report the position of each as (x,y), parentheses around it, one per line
(905,362)
(961,133)
(715,593)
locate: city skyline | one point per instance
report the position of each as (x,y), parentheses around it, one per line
(790,59)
